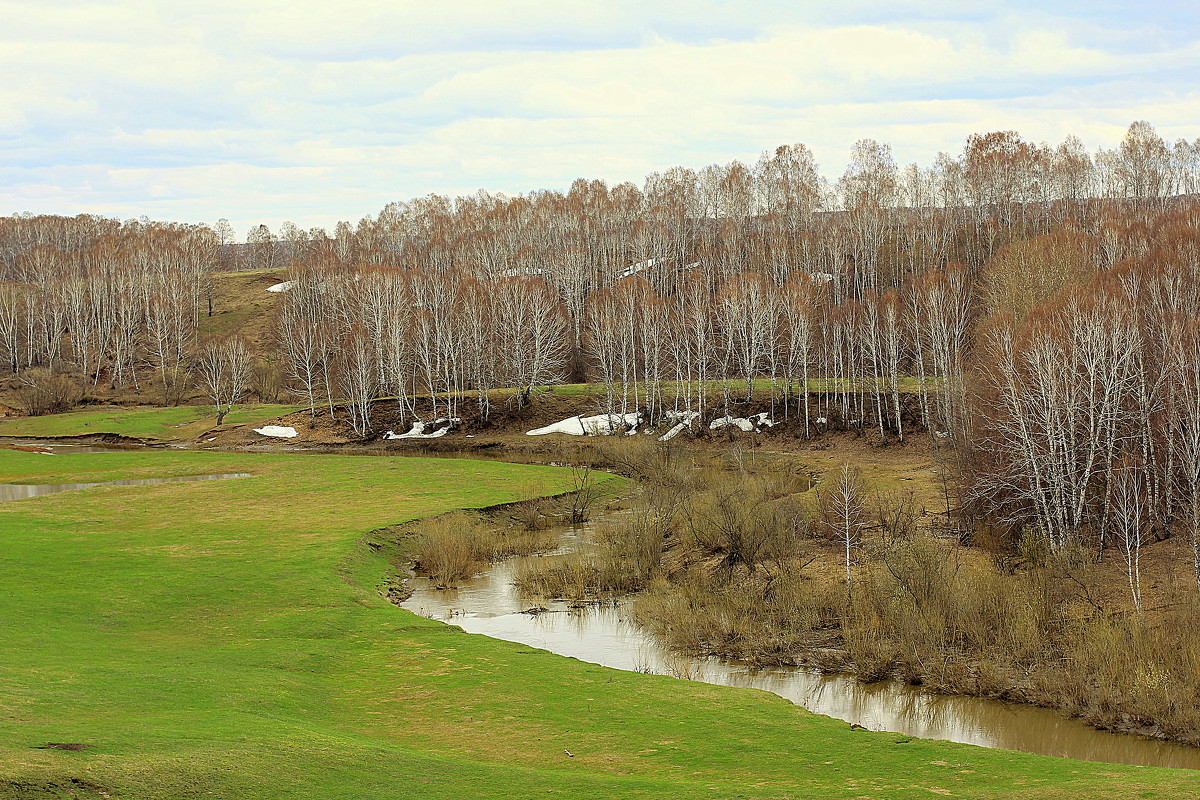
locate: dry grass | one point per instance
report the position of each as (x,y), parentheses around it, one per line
(928,615)
(626,555)
(730,562)
(453,547)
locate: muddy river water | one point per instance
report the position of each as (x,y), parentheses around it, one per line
(489,604)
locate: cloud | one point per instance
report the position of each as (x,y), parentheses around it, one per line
(317,111)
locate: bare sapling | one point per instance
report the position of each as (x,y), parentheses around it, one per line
(1130,513)
(844,515)
(223,371)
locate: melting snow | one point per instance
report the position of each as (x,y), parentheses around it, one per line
(634,269)
(426,430)
(754,422)
(600,425)
(278,431)
(281,287)
(683,421)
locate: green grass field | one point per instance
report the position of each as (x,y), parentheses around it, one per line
(737,388)
(180,422)
(223,639)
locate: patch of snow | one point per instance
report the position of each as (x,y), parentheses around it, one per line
(740,423)
(426,430)
(600,425)
(634,269)
(755,422)
(821,421)
(278,431)
(824,277)
(281,287)
(683,421)
(941,434)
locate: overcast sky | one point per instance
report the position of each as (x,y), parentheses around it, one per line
(275,110)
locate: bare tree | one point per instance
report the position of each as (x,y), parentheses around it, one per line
(843,511)
(223,371)
(1130,518)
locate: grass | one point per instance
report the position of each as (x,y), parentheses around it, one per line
(737,388)
(223,640)
(165,424)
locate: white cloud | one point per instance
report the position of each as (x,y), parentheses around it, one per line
(318,111)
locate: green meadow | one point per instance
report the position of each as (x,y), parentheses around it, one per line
(225,639)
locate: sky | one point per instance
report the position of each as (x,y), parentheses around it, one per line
(315,112)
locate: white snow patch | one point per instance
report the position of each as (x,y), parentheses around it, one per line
(737,422)
(281,287)
(600,425)
(426,430)
(755,422)
(518,272)
(683,421)
(278,431)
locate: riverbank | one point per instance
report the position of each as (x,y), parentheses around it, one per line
(607,633)
(229,641)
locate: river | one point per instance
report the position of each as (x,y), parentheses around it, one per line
(489,604)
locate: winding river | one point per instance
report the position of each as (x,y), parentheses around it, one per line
(489,604)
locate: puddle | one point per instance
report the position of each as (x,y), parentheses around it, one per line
(21,491)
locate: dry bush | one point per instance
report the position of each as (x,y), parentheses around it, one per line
(266,381)
(897,513)
(585,493)
(174,385)
(750,618)
(745,520)
(653,464)
(571,577)
(925,615)
(532,508)
(456,546)
(626,555)
(40,391)
(1122,672)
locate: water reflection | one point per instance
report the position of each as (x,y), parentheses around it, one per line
(59,447)
(489,604)
(21,491)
